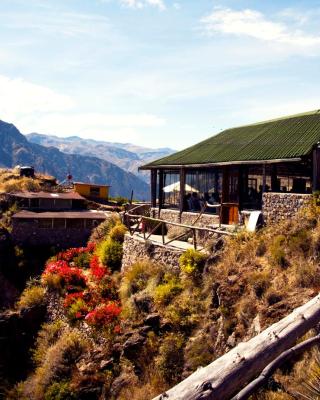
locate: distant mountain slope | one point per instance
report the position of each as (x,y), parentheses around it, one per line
(125,155)
(15,149)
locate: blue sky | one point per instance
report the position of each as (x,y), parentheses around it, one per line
(159,73)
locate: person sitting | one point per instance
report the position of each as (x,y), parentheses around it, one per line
(195,203)
(187,202)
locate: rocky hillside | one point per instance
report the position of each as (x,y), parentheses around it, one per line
(15,149)
(136,333)
(125,155)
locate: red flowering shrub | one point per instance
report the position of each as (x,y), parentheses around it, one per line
(71,298)
(98,271)
(70,254)
(68,276)
(103,315)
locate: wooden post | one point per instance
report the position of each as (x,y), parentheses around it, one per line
(182,190)
(162,232)
(161,184)
(194,238)
(274,179)
(264,178)
(316,170)
(154,188)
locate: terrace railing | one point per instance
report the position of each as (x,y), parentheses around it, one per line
(148,226)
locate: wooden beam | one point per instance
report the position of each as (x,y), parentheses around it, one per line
(182,190)
(154,175)
(227,375)
(161,185)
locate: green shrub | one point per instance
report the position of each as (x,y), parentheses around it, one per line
(192,262)
(59,391)
(300,241)
(117,233)
(135,279)
(47,336)
(277,252)
(75,309)
(166,291)
(170,360)
(102,230)
(58,361)
(260,281)
(110,253)
(31,297)
(261,249)
(272,297)
(82,260)
(199,352)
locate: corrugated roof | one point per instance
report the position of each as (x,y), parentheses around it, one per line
(283,138)
(62,215)
(48,195)
(90,184)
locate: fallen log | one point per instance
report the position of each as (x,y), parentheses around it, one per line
(227,375)
(245,393)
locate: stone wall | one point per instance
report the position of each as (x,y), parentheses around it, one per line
(136,249)
(188,218)
(280,206)
(31,235)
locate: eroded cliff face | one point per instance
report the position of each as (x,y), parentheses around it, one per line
(18,330)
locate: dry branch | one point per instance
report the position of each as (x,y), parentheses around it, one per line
(224,377)
(272,367)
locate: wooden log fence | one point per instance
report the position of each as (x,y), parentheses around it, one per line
(226,376)
(136,222)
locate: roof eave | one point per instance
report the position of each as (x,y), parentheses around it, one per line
(219,164)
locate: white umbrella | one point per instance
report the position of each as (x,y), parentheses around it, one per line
(175,187)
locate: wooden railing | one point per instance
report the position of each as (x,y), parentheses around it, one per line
(139,223)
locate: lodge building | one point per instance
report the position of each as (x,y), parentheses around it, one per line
(242,169)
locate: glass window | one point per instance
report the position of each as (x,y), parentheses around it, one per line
(75,223)
(94,191)
(45,223)
(59,223)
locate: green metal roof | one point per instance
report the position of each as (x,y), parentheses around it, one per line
(283,138)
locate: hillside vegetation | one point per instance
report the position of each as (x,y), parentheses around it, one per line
(134,334)
(10,181)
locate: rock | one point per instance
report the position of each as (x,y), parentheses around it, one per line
(106,364)
(232,279)
(132,346)
(119,383)
(153,320)
(142,301)
(215,299)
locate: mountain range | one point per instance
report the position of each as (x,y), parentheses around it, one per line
(125,155)
(15,149)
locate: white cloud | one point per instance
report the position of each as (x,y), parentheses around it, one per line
(143,3)
(36,108)
(57,22)
(111,127)
(254,24)
(19,96)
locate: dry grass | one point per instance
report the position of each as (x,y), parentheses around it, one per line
(31,297)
